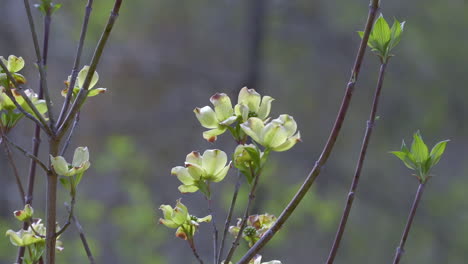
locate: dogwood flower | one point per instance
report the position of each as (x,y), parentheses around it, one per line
(80,82)
(211,166)
(79,165)
(251,104)
(277,135)
(178,217)
(216,120)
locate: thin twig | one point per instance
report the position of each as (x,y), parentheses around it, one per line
(229,216)
(194,250)
(41,61)
(215,230)
(236,243)
(13,166)
(70,209)
(400,249)
(76,64)
(373,8)
(84,241)
(26,153)
(360,163)
(68,140)
(83,93)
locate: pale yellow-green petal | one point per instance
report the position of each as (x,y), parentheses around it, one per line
(214,161)
(194,170)
(221,174)
(82,77)
(205,219)
(253,127)
(60,165)
(265,107)
(96,91)
(183,175)
(289,124)
(242,110)
(274,135)
(290,142)
(167,211)
(168,223)
(15,64)
(194,157)
(80,156)
(188,188)
(222,106)
(15,238)
(250,98)
(211,135)
(229,121)
(206,116)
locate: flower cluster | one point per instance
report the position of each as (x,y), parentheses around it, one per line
(256,227)
(9,114)
(80,82)
(178,217)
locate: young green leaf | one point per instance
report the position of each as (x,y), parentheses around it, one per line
(437,151)
(419,148)
(403,156)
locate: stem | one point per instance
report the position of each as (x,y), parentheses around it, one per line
(41,61)
(76,64)
(229,216)
(83,93)
(13,166)
(194,250)
(84,241)
(373,8)
(360,163)
(27,154)
(51,207)
(215,230)
(235,243)
(400,249)
(68,140)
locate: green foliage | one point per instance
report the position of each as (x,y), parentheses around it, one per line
(383,38)
(419,158)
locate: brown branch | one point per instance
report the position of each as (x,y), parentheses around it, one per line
(83,93)
(400,249)
(360,163)
(373,8)
(215,230)
(26,153)
(76,64)
(84,241)
(236,243)
(229,216)
(13,165)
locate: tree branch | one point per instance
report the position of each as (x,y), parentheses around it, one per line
(400,249)
(373,8)
(84,241)
(360,163)
(26,153)
(83,93)
(229,216)
(76,64)
(13,166)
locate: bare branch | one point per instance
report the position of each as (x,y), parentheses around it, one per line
(13,166)
(373,8)
(76,64)
(82,235)
(26,153)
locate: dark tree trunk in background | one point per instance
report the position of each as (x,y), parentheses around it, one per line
(256,15)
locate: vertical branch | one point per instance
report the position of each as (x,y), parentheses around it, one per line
(400,249)
(373,8)
(215,230)
(229,216)
(41,61)
(76,64)
(360,163)
(13,164)
(51,207)
(235,243)
(83,93)
(194,250)
(84,241)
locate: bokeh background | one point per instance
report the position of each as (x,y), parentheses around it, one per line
(167,57)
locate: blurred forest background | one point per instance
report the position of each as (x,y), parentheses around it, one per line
(167,57)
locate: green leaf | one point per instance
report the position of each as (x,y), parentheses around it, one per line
(419,148)
(64,182)
(437,151)
(381,35)
(55,7)
(78,178)
(403,156)
(397,29)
